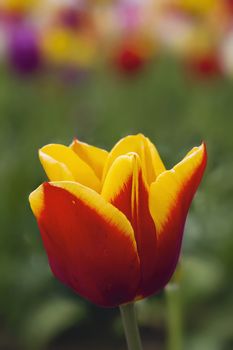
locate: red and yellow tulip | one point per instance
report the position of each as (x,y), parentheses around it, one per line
(112,223)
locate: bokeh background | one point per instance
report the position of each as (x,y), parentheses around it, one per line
(99,70)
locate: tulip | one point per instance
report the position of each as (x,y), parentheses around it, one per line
(129,61)
(205,66)
(17,6)
(112,223)
(197,6)
(24,52)
(132,54)
(129,15)
(229,6)
(72,18)
(64,47)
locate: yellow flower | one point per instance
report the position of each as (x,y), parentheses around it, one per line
(112,223)
(17,5)
(197,6)
(61,45)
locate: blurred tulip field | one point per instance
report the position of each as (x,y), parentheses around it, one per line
(100,70)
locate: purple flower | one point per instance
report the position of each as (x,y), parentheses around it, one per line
(129,15)
(24,52)
(71,18)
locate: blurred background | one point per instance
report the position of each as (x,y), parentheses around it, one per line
(99,70)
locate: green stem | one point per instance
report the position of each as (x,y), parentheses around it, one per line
(129,319)
(174,317)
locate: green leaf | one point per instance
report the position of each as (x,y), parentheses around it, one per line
(49,319)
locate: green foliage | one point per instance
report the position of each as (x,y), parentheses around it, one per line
(48,319)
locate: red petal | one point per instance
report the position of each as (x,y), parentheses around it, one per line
(84,237)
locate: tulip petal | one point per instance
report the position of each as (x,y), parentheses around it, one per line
(84,237)
(169,201)
(152,164)
(93,156)
(127,190)
(62,164)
